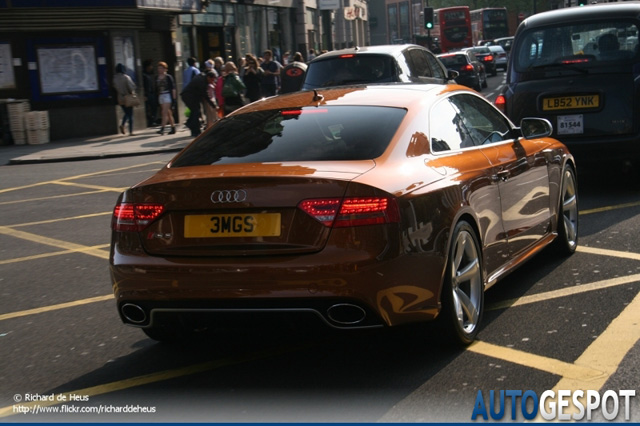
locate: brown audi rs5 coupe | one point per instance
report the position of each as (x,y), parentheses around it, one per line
(361,206)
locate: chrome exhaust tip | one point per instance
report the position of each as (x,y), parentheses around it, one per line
(346,314)
(133,313)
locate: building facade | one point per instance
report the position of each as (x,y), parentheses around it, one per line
(60,55)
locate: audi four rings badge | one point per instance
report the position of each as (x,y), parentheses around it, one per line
(228,196)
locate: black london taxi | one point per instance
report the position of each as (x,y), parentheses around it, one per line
(579,68)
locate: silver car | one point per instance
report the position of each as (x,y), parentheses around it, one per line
(501,56)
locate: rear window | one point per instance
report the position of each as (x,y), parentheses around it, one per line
(336,133)
(584,45)
(451,61)
(350,69)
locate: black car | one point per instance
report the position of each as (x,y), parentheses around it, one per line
(486,56)
(504,42)
(579,68)
(376,64)
(471,72)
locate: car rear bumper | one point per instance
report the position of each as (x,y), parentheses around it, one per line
(355,293)
(596,149)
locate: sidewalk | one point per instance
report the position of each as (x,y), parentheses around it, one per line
(145,141)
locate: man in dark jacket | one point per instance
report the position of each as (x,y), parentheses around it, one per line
(193,95)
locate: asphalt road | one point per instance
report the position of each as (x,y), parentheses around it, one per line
(554,324)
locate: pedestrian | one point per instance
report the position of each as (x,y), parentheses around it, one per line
(292,75)
(218,63)
(167,95)
(124,86)
(312,55)
(211,112)
(190,72)
(233,89)
(150,96)
(252,77)
(269,84)
(193,95)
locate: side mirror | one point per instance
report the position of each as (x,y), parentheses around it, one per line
(452,75)
(532,128)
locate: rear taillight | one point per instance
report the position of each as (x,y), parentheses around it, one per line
(500,102)
(134,217)
(488,58)
(340,213)
(467,68)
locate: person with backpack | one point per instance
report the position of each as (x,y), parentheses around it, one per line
(233,88)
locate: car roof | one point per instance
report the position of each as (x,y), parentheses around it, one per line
(588,12)
(395,95)
(389,49)
(455,52)
(496,47)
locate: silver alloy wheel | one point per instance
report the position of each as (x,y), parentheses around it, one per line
(466,282)
(570,209)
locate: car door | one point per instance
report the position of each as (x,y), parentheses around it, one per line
(519,170)
(457,156)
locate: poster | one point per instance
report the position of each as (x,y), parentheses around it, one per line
(67,69)
(124,54)
(7,77)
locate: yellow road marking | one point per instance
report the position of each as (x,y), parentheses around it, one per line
(49,308)
(84,185)
(543,363)
(56,253)
(563,292)
(605,354)
(609,208)
(53,242)
(102,172)
(607,252)
(53,197)
(153,378)
(42,222)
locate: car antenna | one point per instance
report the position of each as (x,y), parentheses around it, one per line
(316,96)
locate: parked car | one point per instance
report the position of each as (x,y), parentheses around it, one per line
(500,57)
(361,206)
(376,64)
(471,72)
(573,67)
(487,58)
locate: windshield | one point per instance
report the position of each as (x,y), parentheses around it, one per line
(329,133)
(581,45)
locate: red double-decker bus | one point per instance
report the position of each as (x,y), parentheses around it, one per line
(452,27)
(488,24)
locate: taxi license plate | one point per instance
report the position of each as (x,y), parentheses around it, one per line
(571,102)
(232,225)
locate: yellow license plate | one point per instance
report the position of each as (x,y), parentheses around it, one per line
(232,225)
(571,102)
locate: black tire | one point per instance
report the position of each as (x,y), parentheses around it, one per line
(463,287)
(567,240)
(478,87)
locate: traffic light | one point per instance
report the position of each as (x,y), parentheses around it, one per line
(582,2)
(428,18)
